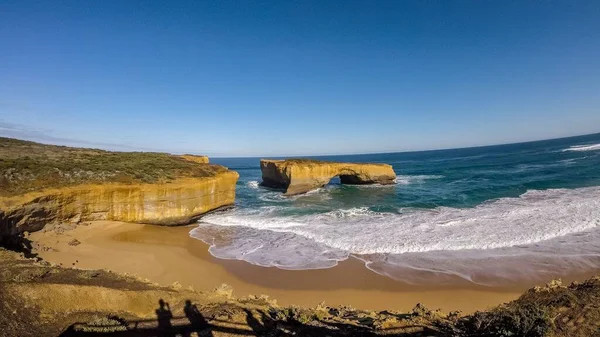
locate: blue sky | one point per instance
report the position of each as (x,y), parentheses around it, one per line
(264,78)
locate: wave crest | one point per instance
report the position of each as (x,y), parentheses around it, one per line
(252,184)
(592,147)
(269,236)
(415,179)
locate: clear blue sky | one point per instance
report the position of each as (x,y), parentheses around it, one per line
(245,78)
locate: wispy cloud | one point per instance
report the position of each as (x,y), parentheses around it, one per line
(25,132)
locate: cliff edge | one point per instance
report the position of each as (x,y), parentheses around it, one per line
(298,176)
(41,184)
(41,299)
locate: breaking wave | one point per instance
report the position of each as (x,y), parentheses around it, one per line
(252,184)
(446,240)
(415,179)
(592,147)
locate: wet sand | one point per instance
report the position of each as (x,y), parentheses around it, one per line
(166,255)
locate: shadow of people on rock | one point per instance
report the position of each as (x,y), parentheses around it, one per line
(197,320)
(163,316)
(268,322)
(254,323)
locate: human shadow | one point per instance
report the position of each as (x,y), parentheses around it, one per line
(164,316)
(165,324)
(254,323)
(198,323)
(257,323)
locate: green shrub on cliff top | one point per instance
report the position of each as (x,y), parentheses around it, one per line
(28,166)
(528,320)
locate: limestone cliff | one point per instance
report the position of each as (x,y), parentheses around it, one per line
(174,203)
(41,184)
(195,158)
(300,175)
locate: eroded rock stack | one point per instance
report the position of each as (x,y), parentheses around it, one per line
(298,176)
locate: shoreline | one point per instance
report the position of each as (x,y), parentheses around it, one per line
(168,255)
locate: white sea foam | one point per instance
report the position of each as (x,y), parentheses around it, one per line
(539,262)
(252,184)
(415,179)
(568,161)
(592,147)
(320,194)
(272,196)
(534,167)
(414,238)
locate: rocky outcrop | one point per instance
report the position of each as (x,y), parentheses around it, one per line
(42,184)
(300,176)
(174,203)
(195,158)
(39,299)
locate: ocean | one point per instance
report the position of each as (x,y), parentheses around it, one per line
(488,215)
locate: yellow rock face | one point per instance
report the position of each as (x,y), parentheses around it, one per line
(196,159)
(177,202)
(300,176)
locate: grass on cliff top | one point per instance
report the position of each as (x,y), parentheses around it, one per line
(315,162)
(308,161)
(27,166)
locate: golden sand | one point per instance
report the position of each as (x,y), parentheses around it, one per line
(166,255)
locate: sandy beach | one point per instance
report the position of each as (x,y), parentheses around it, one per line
(166,255)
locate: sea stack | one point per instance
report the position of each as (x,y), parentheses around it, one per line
(297,176)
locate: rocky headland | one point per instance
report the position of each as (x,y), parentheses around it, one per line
(297,176)
(44,184)
(195,158)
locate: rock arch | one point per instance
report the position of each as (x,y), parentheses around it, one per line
(298,176)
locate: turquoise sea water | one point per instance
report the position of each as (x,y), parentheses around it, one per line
(526,211)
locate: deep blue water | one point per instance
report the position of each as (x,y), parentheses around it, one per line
(534,205)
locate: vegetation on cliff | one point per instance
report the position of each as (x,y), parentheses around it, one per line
(27,166)
(43,184)
(39,299)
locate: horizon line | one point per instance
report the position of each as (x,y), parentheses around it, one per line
(414,151)
(303,155)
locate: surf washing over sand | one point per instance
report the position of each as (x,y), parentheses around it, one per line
(493,215)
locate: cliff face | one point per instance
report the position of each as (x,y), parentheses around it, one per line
(41,184)
(300,176)
(173,203)
(196,159)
